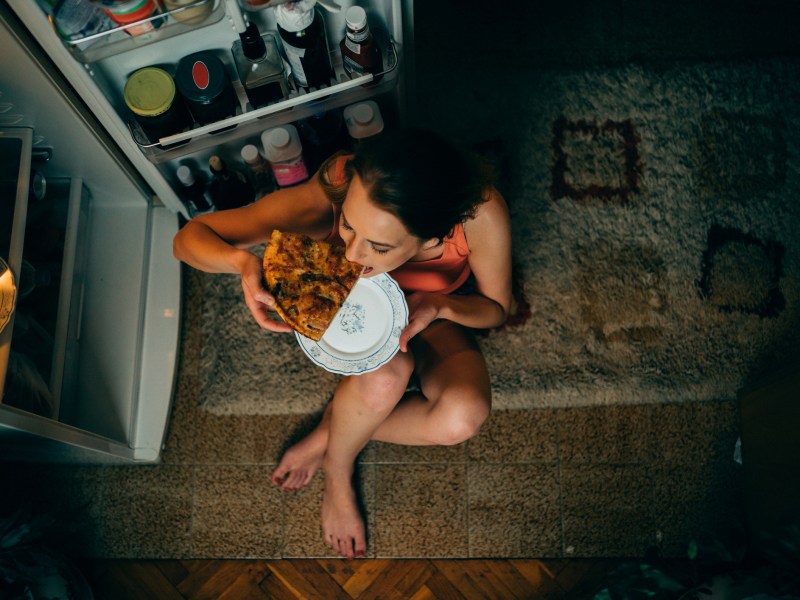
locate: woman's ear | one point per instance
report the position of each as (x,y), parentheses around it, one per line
(431,243)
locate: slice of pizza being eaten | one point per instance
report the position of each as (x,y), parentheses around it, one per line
(309,280)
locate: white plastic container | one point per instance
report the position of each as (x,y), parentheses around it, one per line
(284,151)
(363,120)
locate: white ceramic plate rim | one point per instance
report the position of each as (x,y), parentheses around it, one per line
(332,360)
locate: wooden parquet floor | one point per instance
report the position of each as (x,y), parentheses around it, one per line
(332,579)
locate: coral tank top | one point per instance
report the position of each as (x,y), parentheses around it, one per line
(443,275)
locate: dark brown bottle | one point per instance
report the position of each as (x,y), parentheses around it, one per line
(360,53)
(229,187)
(302,31)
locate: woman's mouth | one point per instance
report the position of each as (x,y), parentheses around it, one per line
(366,271)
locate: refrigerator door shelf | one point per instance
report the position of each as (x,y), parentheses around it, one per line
(298,106)
(96,47)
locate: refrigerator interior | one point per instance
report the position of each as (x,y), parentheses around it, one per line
(99,66)
(96,282)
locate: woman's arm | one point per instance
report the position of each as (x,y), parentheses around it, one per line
(489,239)
(217,242)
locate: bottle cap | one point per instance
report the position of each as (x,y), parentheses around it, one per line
(280,138)
(281,143)
(363,119)
(355,18)
(250,153)
(185,175)
(201,77)
(216,163)
(253,45)
(149,91)
(295,16)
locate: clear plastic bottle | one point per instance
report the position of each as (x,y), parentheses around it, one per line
(302,31)
(259,170)
(229,187)
(360,53)
(260,67)
(284,151)
(194,190)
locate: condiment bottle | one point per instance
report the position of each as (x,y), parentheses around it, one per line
(259,170)
(229,187)
(150,94)
(363,120)
(204,84)
(194,190)
(260,67)
(360,52)
(284,151)
(302,31)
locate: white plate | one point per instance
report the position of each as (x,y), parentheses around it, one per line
(365,333)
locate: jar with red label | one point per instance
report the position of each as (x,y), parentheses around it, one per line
(203,82)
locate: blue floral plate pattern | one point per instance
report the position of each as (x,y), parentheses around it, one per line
(365,333)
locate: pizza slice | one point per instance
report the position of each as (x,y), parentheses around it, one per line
(309,280)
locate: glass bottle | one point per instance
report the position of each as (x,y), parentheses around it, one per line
(229,187)
(260,67)
(194,190)
(259,170)
(360,53)
(302,31)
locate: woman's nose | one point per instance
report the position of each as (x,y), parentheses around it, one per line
(351,252)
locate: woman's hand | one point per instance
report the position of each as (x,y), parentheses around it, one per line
(258,300)
(423,309)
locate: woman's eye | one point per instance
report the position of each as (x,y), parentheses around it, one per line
(346,226)
(379,250)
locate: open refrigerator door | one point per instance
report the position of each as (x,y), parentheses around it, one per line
(99,66)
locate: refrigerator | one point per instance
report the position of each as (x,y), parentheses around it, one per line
(89,205)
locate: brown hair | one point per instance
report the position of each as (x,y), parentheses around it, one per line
(425,181)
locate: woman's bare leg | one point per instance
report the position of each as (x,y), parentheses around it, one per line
(454,403)
(359,406)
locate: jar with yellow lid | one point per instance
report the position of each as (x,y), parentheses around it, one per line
(151,97)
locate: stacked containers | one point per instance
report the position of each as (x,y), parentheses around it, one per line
(126,12)
(284,151)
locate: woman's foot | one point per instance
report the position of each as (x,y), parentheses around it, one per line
(300,462)
(342,525)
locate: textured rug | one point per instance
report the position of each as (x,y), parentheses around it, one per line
(656,216)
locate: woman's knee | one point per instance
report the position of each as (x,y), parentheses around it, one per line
(459,420)
(383,388)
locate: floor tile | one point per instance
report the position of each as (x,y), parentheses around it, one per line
(420,511)
(607,510)
(237,513)
(694,502)
(516,436)
(514,510)
(605,434)
(393,453)
(691,433)
(146,512)
(303,521)
(229,439)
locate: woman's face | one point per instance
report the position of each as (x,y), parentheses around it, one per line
(374,238)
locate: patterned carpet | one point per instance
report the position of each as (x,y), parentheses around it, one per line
(656,235)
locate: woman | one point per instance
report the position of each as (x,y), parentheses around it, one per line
(412,205)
